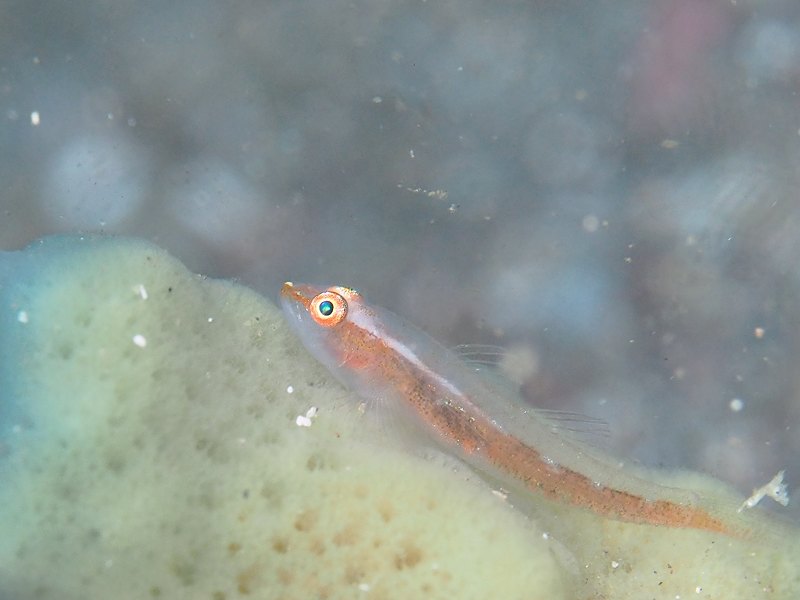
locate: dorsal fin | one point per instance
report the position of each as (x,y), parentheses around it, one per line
(506,402)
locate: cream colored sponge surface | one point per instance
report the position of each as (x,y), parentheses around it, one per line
(150,447)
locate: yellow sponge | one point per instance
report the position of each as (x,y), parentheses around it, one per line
(164,436)
(154,450)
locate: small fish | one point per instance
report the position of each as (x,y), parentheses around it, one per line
(379,356)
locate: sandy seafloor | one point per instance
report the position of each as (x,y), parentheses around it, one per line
(608,189)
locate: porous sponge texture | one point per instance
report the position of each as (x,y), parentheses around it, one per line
(149,449)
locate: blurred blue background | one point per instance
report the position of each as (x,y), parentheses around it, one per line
(608,189)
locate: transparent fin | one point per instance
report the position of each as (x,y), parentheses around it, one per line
(486,359)
(505,401)
(576,423)
(480,355)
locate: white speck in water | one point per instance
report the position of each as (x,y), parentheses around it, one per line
(377,99)
(141,291)
(290,389)
(311,412)
(758,332)
(411,153)
(210,319)
(698,590)
(545,535)
(22,316)
(614,564)
(364,587)
(140,340)
(35,118)
(590,223)
(736,405)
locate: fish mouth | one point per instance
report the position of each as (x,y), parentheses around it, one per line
(296,297)
(300,293)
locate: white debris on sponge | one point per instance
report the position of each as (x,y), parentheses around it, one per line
(305,420)
(775,489)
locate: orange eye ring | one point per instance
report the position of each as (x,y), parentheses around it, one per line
(328,309)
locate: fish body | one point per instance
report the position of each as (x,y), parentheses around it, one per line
(382,358)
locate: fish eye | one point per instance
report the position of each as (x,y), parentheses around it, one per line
(328,309)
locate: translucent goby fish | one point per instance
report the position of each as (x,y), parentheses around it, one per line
(382,358)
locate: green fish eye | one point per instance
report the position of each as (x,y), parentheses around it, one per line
(326,308)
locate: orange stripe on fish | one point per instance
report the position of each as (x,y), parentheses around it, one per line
(377,355)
